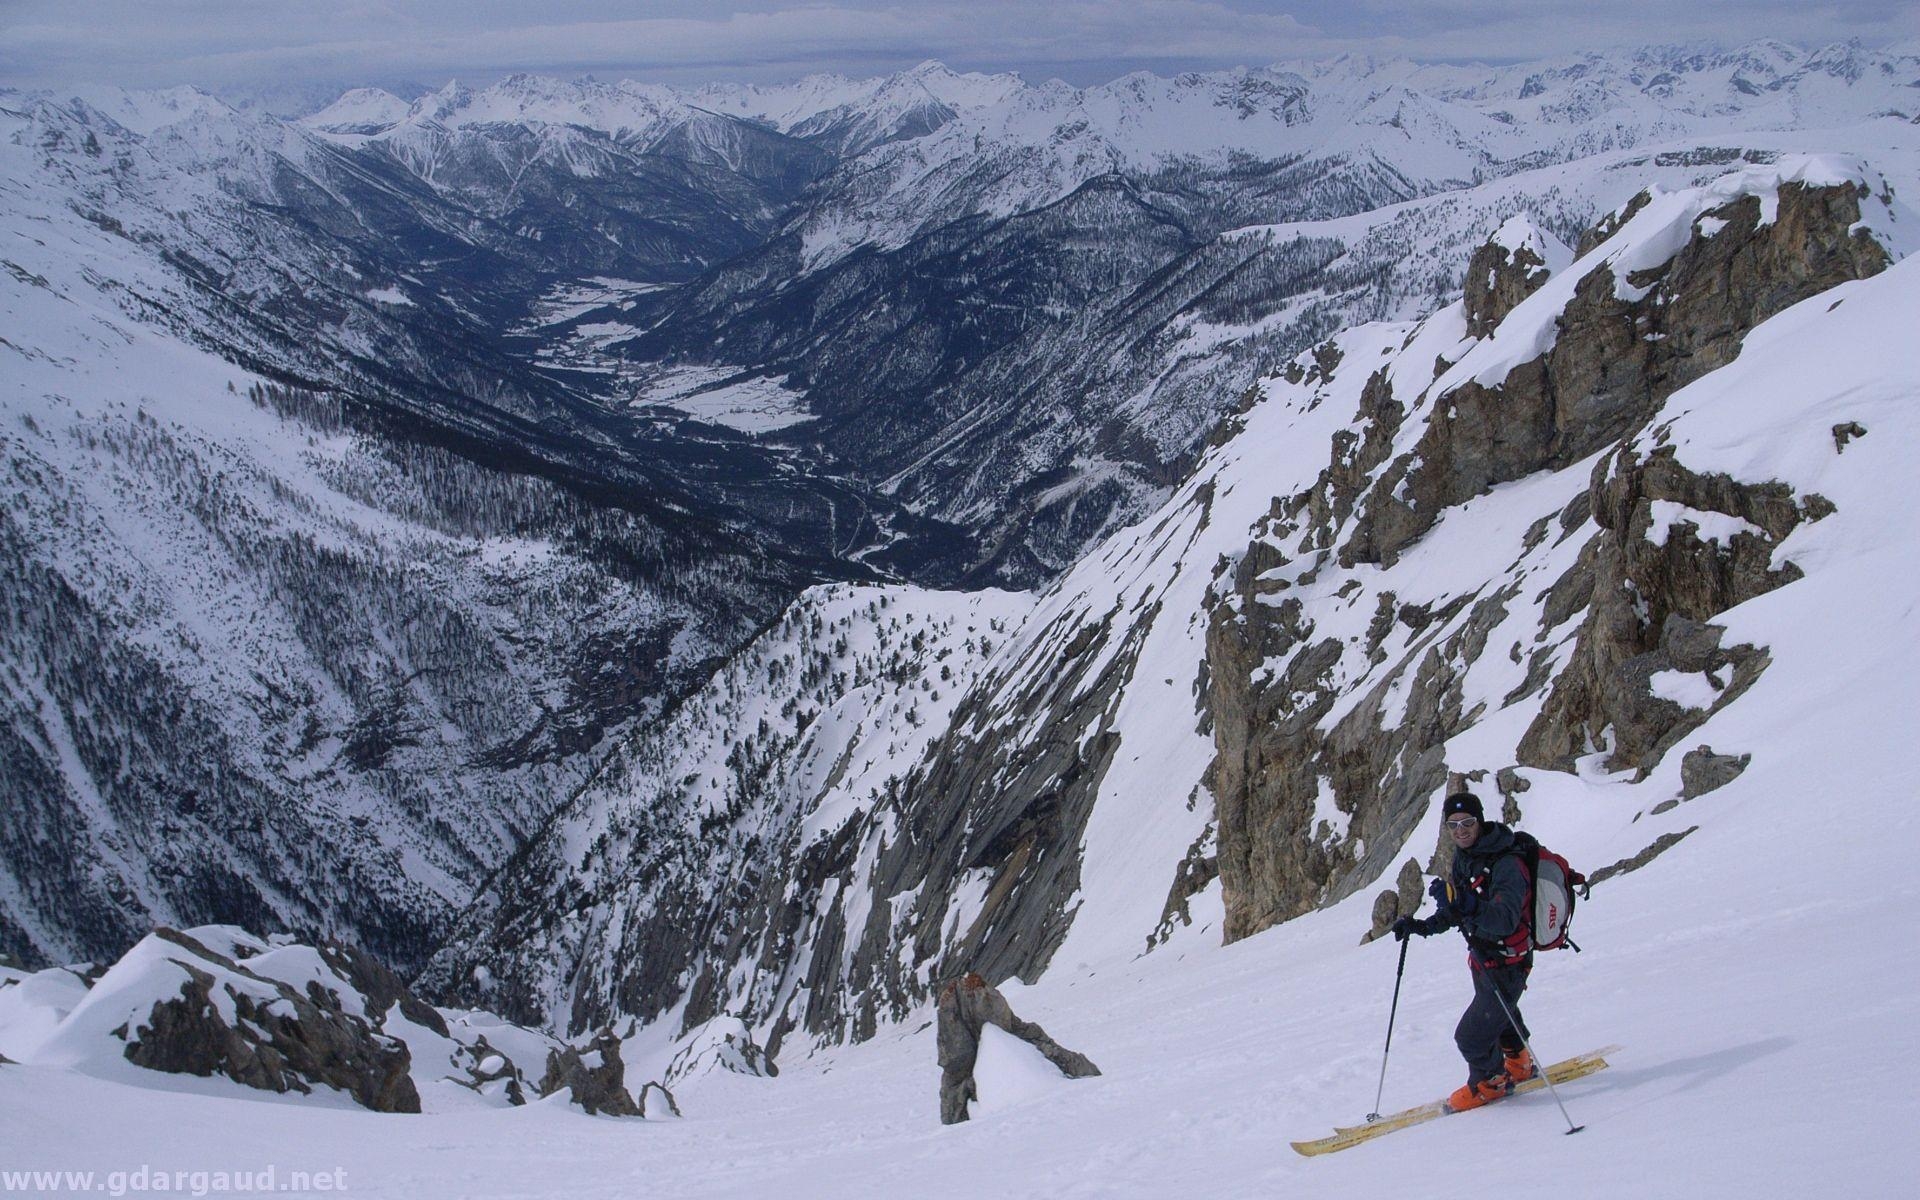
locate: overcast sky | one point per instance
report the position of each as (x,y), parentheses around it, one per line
(288,44)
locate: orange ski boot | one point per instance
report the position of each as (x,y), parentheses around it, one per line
(1473,1095)
(1519,1066)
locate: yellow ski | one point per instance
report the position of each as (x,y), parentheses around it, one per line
(1577,1067)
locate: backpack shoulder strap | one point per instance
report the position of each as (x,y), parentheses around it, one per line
(1526,848)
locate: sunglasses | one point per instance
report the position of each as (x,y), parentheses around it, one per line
(1460,822)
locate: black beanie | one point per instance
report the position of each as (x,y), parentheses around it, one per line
(1463,802)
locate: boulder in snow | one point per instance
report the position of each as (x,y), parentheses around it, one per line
(966,1006)
(594,1078)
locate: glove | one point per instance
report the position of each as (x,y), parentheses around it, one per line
(1403,929)
(1463,903)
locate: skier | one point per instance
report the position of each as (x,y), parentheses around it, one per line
(1485,896)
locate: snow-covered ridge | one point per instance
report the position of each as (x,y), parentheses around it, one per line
(359,111)
(1450,124)
(626,109)
(787,107)
(1697,82)
(217,1011)
(1650,236)
(143,112)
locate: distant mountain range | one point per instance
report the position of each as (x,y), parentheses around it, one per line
(1016,307)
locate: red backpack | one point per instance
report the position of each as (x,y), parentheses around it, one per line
(1551,884)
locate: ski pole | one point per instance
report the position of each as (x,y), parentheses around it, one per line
(1548,1079)
(1391,1013)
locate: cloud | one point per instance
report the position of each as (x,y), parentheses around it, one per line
(218,42)
(224,40)
(1521,29)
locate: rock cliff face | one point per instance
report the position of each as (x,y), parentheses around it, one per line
(751,857)
(1506,269)
(1350,641)
(1637,327)
(890,788)
(1673,549)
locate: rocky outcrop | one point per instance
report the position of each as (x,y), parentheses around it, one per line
(1402,901)
(1301,803)
(966,1006)
(1626,340)
(593,1078)
(1659,846)
(1506,269)
(1193,875)
(487,1070)
(382,989)
(723,1044)
(1703,771)
(1659,577)
(657,1102)
(1335,688)
(269,1037)
(1004,814)
(274,1015)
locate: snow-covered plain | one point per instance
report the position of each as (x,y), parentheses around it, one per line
(1758,973)
(714,395)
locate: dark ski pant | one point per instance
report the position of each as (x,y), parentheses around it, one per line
(1484,1034)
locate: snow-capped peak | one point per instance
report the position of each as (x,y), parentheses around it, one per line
(361,110)
(1522,232)
(964,90)
(143,112)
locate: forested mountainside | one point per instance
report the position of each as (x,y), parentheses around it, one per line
(319,600)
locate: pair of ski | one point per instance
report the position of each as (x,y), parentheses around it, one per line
(1346,1137)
